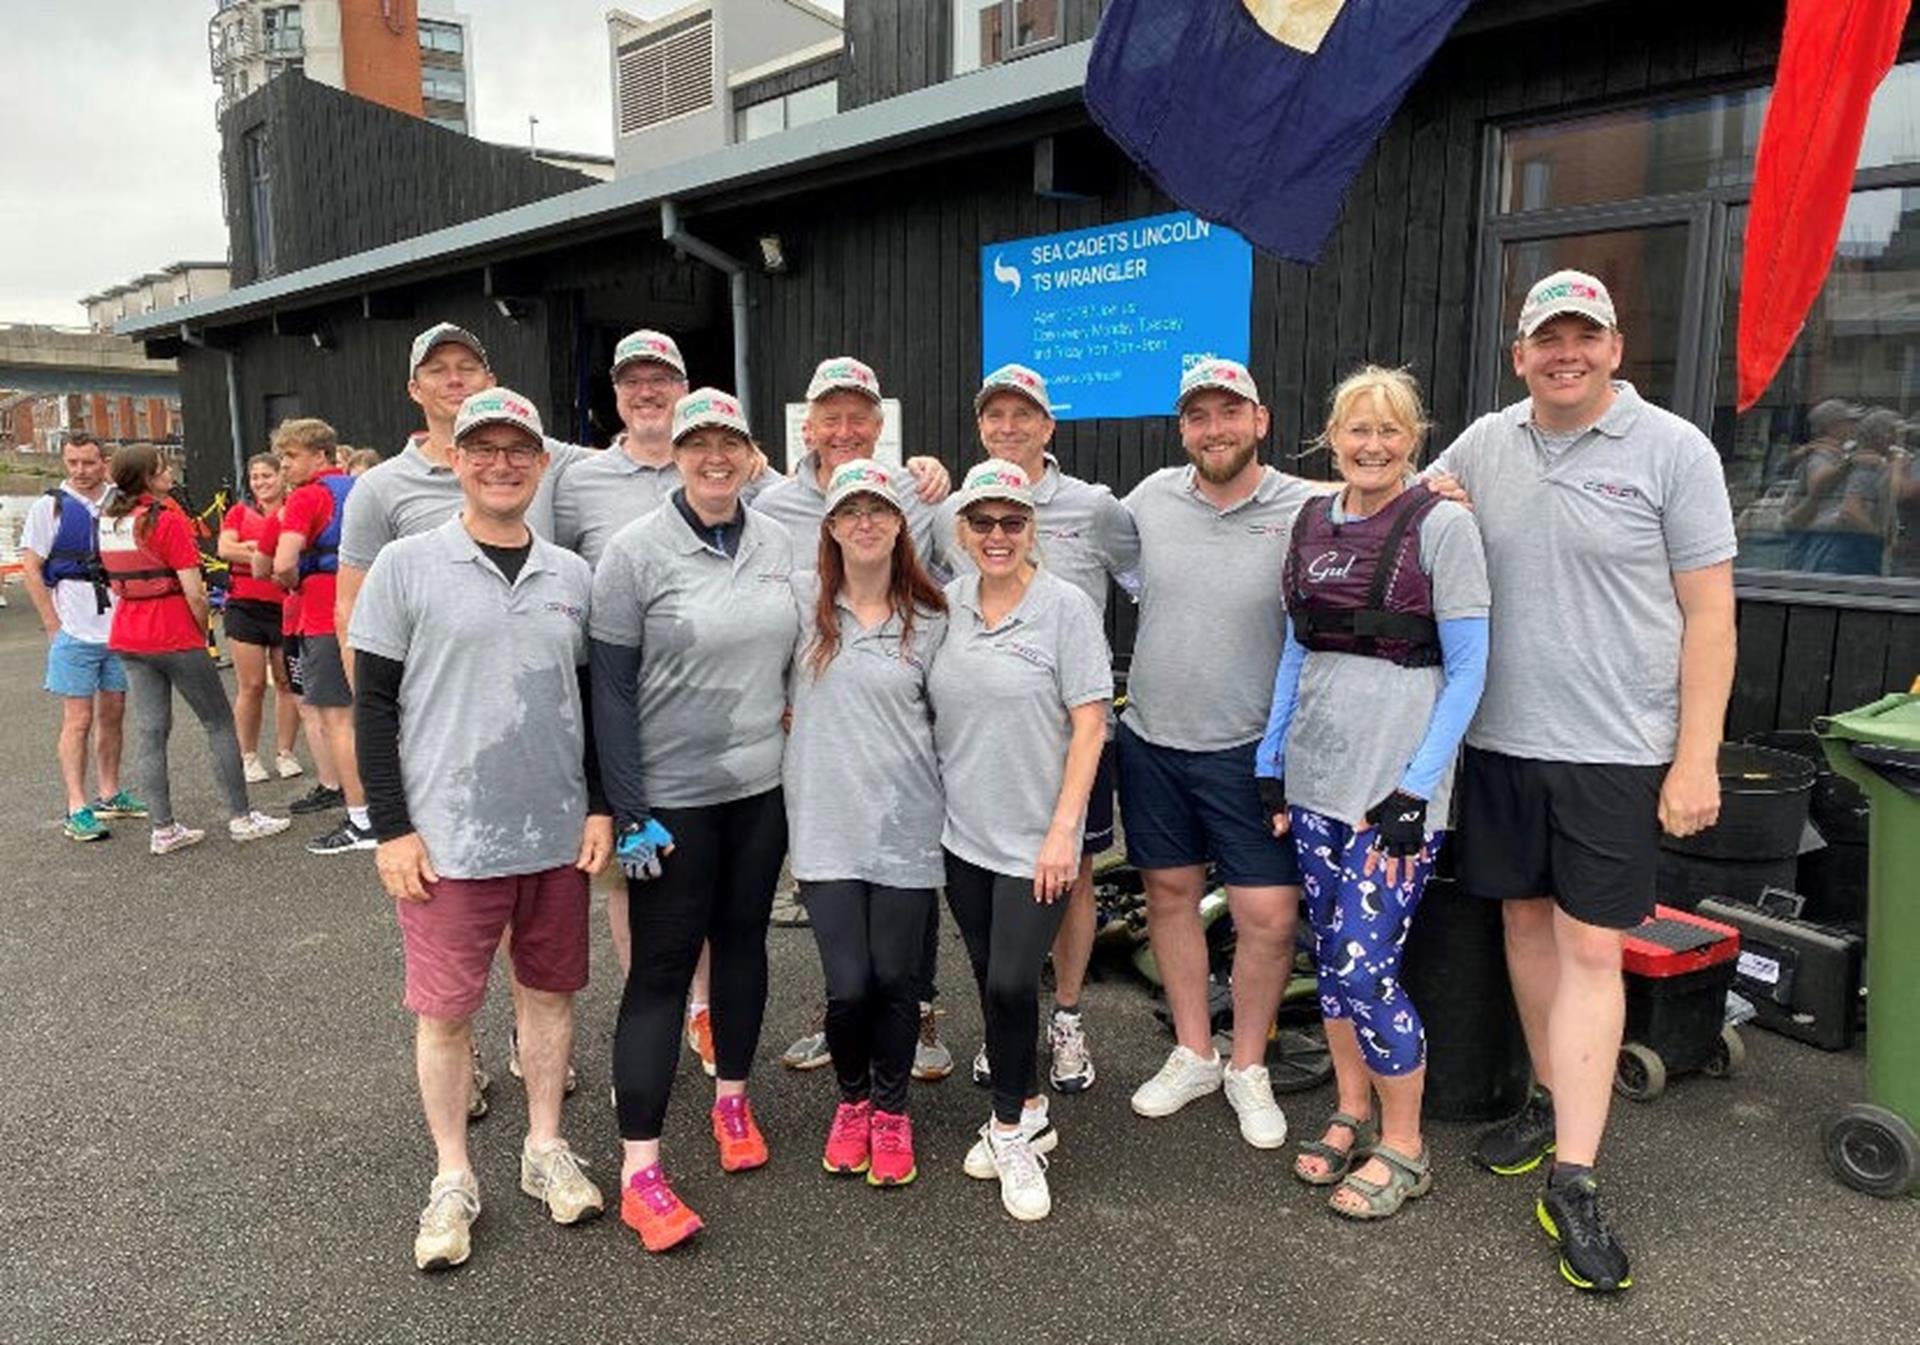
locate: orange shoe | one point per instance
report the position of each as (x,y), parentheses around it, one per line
(700,1038)
(741,1144)
(650,1208)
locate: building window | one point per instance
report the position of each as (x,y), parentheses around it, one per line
(666,76)
(816,102)
(443,84)
(987,32)
(448,122)
(280,30)
(442,36)
(1824,472)
(259,199)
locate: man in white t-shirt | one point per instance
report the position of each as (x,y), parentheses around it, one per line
(60,559)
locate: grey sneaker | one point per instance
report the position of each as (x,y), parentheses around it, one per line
(444,1239)
(787,911)
(477,1096)
(932,1060)
(1072,1068)
(255,773)
(808,1052)
(553,1174)
(982,1069)
(165,840)
(513,1061)
(256,825)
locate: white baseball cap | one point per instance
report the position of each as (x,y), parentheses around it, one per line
(995,479)
(647,344)
(862,476)
(497,406)
(1226,375)
(1014,378)
(1566,292)
(704,407)
(843,373)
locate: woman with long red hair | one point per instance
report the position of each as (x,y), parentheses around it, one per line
(864,805)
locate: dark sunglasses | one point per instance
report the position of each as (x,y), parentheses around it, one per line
(1011,524)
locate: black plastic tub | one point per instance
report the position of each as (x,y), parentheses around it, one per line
(1455,970)
(1687,880)
(1764,797)
(1838,806)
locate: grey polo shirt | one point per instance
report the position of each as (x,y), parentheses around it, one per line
(409,494)
(799,504)
(862,780)
(1358,721)
(603,492)
(1213,619)
(492,734)
(1582,545)
(1001,698)
(1085,534)
(715,635)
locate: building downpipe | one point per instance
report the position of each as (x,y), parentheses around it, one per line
(678,238)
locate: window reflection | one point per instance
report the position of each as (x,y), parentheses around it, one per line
(1821,469)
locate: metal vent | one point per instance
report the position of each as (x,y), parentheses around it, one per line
(666,78)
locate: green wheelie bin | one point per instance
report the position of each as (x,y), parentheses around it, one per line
(1873,1146)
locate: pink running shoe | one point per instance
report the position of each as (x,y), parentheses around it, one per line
(847,1140)
(892,1150)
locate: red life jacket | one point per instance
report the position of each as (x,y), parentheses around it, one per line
(136,574)
(1357,587)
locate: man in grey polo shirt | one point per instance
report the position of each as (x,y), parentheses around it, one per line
(1213,537)
(471,720)
(1609,545)
(1085,535)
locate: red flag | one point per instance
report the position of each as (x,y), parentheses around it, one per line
(1834,55)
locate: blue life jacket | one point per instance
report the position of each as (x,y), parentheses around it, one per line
(74,556)
(321,555)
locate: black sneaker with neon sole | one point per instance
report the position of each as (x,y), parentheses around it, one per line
(343,839)
(1591,1258)
(1519,1143)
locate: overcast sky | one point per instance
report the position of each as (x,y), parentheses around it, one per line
(109,159)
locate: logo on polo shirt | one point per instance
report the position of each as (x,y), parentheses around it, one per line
(1612,490)
(1269,530)
(1021,650)
(571,611)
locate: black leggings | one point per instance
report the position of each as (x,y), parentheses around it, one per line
(871,950)
(1008,934)
(716,887)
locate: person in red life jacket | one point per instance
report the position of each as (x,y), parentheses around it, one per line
(256,610)
(305,559)
(160,612)
(60,562)
(1385,658)
(326,794)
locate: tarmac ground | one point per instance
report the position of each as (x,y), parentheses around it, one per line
(209,1132)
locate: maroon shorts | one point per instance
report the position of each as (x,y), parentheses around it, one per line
(450,939)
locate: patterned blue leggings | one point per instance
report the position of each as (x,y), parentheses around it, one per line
(1359,927)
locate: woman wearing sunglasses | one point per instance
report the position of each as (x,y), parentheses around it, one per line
(1020,690)
(867,861)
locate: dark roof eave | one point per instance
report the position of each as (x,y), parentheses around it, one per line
(989,97)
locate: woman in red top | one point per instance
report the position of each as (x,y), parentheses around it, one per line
(253,619)
(159,624)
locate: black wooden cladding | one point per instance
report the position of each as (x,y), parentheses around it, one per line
(349,175)
(897,46)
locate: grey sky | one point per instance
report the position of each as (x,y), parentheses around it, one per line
(110,157)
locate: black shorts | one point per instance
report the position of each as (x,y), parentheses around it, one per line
(251,621)
(1585,834)
(1097,834)
(323,676)
(290,643)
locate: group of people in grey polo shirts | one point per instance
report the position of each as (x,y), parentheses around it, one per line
(899,696)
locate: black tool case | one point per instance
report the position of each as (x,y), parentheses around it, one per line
(1803,977)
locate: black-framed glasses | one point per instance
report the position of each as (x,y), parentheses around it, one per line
(983,525)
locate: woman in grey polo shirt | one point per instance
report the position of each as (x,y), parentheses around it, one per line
(692,630)
(867,864)
(1020,691)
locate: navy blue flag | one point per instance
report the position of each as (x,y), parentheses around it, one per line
(1258,113)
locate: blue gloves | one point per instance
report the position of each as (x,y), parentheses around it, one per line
(641,848)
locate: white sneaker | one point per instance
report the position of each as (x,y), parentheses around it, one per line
(553,1174)
(1250,1094)
(165,840)
(1183,1078)
(256,825)
(1041,1138)
(444,1240)
(289,766)
(256,773)
(1022,1173)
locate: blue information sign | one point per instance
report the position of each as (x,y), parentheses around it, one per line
(1113,315)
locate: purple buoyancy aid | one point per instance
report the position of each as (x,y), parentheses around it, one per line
(1357,587)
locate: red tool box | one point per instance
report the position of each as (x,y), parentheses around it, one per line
(1679,967)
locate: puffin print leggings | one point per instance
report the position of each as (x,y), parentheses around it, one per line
(1359,929)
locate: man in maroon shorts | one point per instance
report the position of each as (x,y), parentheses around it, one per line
(470,644)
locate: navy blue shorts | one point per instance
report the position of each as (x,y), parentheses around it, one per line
(1184,808)
(1097,834)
